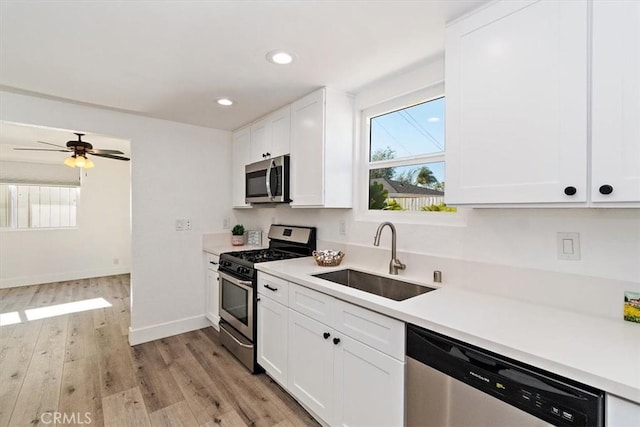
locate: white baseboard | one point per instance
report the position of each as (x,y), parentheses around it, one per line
(215,321)
(163,330)
(12,282)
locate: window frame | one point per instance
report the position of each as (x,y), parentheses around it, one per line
(13,208)
(363,213)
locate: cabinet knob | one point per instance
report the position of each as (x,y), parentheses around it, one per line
(570,190)
(268,154)
(605,189)
(258,299)
(336,341)
(326,335)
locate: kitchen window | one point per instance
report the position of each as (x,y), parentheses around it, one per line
(405,153)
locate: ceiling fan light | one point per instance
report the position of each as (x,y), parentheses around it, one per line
(70,161)
(88,164)
(80,162)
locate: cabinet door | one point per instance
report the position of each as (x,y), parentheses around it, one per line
(260,140)
(516,119)
(310,367)
(213,291)
(621,413)
(369,386)
(272,338)
(240,149)
(616,102)
(307,150)
(280,132)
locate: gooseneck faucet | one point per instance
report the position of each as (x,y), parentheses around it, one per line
(394,264)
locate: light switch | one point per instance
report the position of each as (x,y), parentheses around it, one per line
(568,246)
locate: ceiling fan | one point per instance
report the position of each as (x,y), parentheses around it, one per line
(79,150)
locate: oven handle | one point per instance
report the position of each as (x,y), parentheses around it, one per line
(242,283)
(271,163)
(235,339)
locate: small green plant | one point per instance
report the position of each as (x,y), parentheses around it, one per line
(393,205)
(439,208)
(238,230)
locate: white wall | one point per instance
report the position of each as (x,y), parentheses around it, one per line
(177,171)
(522,238)
(102,235)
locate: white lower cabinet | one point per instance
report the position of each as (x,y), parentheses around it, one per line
(213,290)
(311,360)
(272,338)
(342,362)
(368,386)
(621,412)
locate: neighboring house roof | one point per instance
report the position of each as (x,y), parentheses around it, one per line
(409,190)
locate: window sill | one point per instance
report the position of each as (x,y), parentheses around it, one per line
(446,219)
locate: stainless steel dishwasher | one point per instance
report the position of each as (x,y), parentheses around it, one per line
(454,384)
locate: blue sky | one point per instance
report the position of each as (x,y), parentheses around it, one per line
(415,130)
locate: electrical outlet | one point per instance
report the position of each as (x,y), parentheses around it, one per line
(342,227)
(187,224)
(179,224)
(225,224)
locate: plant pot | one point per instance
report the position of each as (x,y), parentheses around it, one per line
(237,240)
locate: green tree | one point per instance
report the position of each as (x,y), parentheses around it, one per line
(426,177)
(377,196)
(407,177)
(382,154)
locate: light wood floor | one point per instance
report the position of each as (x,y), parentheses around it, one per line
(81,365)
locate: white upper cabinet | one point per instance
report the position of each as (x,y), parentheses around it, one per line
(615,173)
(270,136)
(322,150)
(516,79)
(241,146)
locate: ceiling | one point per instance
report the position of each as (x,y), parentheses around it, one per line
(173,59)
(26,136)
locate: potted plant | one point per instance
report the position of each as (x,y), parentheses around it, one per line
(237,235)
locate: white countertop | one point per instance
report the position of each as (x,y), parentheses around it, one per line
(600,352)
(217,249)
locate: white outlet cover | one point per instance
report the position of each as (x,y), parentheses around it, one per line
(179,224)
(568,246)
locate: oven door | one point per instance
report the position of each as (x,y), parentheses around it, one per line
(236,303)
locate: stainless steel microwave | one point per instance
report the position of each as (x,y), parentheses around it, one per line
(267,181)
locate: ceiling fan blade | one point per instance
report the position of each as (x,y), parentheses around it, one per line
(40,149)
(55,145)
(97,151)
(111,156)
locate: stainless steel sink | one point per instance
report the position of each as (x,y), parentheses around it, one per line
(373,284)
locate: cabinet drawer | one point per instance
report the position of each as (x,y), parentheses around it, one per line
(376,330)
(212,261)
(314,304)
(273,287)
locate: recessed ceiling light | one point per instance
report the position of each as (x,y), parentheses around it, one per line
(225,102)
(279,57)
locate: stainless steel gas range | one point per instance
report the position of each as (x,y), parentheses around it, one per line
(238,281)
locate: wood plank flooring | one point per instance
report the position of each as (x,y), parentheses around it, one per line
(80,366)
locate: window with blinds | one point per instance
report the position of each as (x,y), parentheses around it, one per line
(34,195)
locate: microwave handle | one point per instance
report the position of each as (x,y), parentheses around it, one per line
(269,179)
